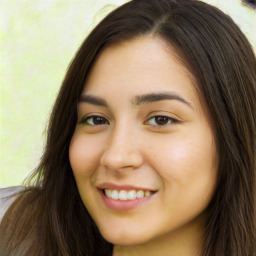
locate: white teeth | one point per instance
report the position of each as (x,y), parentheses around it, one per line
(126,195)
(140,194)
(114,194)
(131,195)
(108,192)
(122,195)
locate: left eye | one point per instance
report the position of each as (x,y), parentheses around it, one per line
(161,120)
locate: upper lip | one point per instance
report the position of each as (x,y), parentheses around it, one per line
(112,186)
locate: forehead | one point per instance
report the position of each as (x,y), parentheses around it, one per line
(142,65)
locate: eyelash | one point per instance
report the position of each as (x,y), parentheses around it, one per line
(86,119)
(170,121)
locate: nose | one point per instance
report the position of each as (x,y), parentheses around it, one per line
(123,151)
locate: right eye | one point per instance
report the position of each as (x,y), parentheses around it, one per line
(94,120)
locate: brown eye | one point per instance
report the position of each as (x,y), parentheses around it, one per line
(95,120)
(161,120)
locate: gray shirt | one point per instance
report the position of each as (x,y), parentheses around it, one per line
(7,198)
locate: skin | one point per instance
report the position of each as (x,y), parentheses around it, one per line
(176,156)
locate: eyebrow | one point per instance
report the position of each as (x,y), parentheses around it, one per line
(153,97)
(137,100)
(93,100)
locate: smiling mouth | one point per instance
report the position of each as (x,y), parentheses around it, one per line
(125,195)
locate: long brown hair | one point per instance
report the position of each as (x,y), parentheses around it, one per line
(49,218)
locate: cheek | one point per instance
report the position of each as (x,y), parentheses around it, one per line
(191,157)
(188,170)
(84,160)
(84,155)
(186,161)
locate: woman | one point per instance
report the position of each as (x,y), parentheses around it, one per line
(151,142)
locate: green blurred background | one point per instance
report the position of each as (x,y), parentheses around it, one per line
(38,40)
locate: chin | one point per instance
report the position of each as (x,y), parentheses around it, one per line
(124,239)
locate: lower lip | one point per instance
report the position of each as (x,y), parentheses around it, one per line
(124,205)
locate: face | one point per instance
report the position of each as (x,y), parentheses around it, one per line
(143,152)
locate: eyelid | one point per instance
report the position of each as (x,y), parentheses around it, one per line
(171,119)
(174,120)
(164,113)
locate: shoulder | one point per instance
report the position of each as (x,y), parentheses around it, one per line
(19,220)
(7,197)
